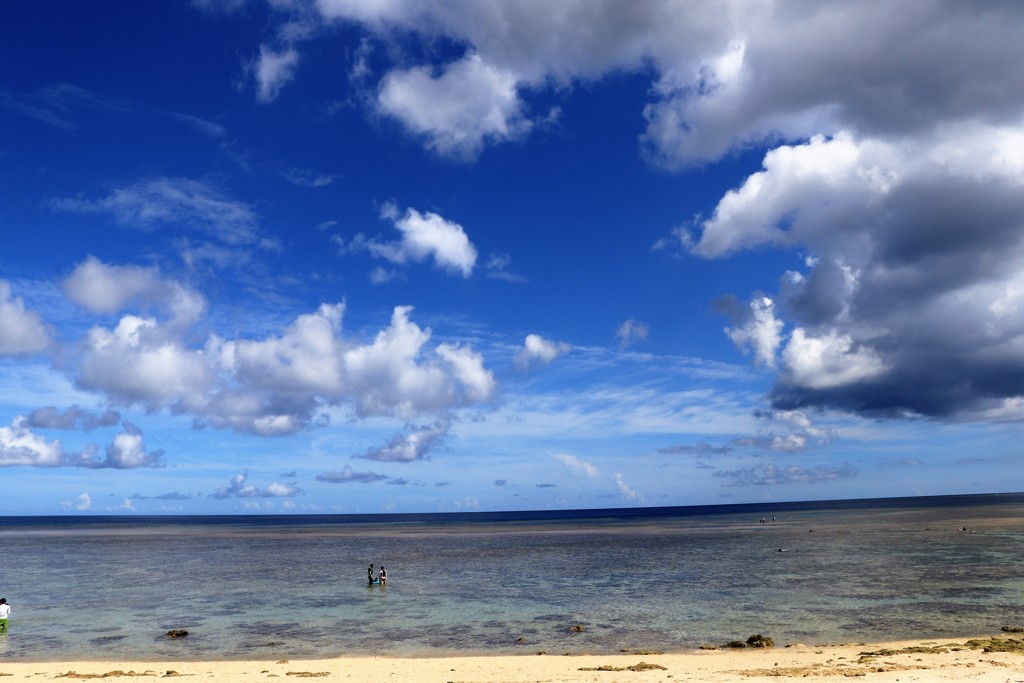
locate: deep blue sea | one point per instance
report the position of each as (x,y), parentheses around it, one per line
(670,579)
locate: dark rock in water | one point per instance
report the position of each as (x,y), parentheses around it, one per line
(177,633)
(1013,629)
(577,628)
(735,643)
(760,641)
(521,640)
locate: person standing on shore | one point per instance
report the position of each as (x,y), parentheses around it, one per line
(5,613)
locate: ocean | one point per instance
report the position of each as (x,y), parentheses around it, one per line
(584,581)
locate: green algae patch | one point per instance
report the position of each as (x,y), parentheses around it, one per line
(1015,645)
(642,666)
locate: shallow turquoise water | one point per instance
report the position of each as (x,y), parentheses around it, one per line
(255,587)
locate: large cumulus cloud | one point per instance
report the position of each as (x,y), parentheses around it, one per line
(912,301)
(277,384)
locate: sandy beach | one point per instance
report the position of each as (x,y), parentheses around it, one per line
(931,660)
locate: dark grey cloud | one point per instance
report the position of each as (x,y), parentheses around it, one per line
(772,475)
(348,475)
(701,448)
(73,418)
(911,301)
(936,304)
(163,496)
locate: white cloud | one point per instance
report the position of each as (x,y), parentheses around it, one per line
(630,331)
(759,330)
(393,375)
(238,488)
(477,383)
(537,349)
(802,196)
(127,451)
(140,361)
(305,358)
(102,288)
(577,465)
(278,384)
(800,422)
(21,331)
(412,446)
(82,503)
(424,236)
(468,104)
(21,447)
(829,360)
(273,70)
(624,489)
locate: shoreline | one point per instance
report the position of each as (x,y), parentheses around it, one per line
(945,659)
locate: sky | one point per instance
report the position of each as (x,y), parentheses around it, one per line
(371,256)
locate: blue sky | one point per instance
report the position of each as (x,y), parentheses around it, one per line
(393,255)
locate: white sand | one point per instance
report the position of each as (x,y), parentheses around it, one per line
(805,662)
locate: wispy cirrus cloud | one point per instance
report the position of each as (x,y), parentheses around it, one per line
(181,203)
(576,465)
(67,106)
(272,70)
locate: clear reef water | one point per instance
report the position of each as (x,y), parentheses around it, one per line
(669,579)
